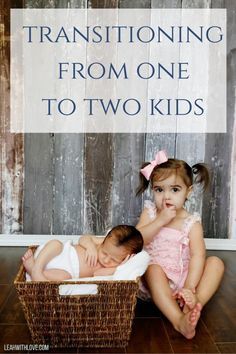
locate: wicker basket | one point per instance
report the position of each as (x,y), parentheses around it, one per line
(101,320)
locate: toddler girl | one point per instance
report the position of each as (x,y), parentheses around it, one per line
(179,279)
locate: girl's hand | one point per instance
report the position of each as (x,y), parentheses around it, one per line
(91,256)
(186,298)
(167,214)
(178,298)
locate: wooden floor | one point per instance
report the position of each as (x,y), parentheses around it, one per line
(216,331)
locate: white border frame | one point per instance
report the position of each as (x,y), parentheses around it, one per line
(28,240)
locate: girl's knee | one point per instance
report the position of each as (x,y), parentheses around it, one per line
(216,263)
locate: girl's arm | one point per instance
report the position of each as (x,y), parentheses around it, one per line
(149,228)
(197,256)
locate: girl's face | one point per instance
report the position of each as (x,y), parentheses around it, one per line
(172,190)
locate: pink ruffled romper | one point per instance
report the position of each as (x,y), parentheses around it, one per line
(170,249)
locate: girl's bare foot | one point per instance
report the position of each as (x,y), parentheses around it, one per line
(28,261)
(188,299)
(189,322)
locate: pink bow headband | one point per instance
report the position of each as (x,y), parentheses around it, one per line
(160,158)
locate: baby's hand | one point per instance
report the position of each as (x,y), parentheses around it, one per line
(167,214)
(91,256)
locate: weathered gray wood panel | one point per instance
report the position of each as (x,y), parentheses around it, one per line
(38,183)
(11,145)
(231,48)
(196,4)
(98,168)
(68,202)
(128,156)
(103,4)
(54,173)
(98,182)
(191,147)
(39,171)
(141,4)
(166,4)
(216,209)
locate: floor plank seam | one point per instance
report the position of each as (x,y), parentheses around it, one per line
(225,342)
(166,332)
(148,317)
(209,333)
(5,301)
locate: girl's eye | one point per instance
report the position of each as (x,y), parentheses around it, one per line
(175,189)
(158,189)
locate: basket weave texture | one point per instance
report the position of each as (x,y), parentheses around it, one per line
(101,320)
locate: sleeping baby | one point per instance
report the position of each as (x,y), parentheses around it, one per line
(93,256)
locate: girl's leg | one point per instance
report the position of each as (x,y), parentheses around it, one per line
(210,280)
(162,296)
(208,284)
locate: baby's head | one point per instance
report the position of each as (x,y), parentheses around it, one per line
(121,241)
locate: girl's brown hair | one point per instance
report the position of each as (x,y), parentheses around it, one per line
(198,173)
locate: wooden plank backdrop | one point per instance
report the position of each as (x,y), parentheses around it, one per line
(78,183)
(11,145)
